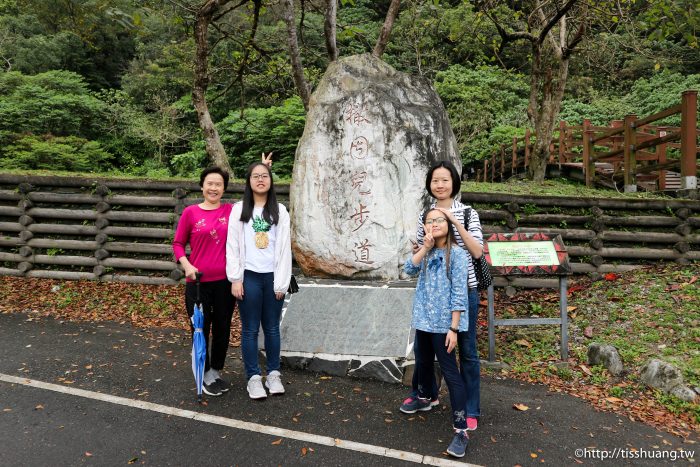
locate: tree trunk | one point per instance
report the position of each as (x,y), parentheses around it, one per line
(294,56)
(329,28)
(214,148)
(546,94)
(383,39)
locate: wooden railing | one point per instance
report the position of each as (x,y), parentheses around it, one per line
(631,151)
(94,229)
(110,230)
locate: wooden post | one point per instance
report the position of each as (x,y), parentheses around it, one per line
(661,157)
(564,317)
(551,153)
(689,121)
(503,160)
(514,164)
(486,170)
(493,167)
(630,156)
(491,324)
(588,163)
(527,148)
(562,141)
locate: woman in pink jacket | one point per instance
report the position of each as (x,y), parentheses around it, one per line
(205,226)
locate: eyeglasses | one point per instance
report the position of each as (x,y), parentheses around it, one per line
(259,177)
(437,220)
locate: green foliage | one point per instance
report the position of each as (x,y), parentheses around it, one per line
(599,111)
(90,37)
(430,36)
(56,102)
(358,27)
(119,74)
(485,105)
(645,97)
(278,129)
(54,153)
(141,138)
(661,91)
(676,18)
(190,163)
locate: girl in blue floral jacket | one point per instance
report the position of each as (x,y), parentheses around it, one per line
(438,315)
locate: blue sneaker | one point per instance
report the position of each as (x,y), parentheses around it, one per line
(458,446)
(414,404)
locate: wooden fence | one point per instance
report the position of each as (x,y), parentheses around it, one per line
(632,151)
(110,230)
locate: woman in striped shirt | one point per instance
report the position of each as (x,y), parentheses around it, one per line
(443,184)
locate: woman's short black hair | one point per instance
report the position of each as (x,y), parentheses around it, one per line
(456,183)
(213,170)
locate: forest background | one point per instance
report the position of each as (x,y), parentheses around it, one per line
(106,86)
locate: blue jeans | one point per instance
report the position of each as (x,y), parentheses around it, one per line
(470,365)
(432,345)
(259,307)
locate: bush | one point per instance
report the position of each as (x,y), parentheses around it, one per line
(275,129)
(480,100)
(55,102)
(68,153)
(663,90)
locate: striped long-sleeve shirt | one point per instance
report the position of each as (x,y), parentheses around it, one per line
(473,227)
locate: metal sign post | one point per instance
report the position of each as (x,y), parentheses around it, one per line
(527,254)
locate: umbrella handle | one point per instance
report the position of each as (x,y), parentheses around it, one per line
(198,276)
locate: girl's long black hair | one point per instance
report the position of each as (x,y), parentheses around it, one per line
(448,247)
(271,212)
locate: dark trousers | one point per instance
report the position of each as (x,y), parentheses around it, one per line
(217,306)
(469,362)
(431,345)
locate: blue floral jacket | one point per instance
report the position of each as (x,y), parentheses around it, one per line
(436,295)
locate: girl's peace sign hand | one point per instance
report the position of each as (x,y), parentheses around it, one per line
(267,160)
(428,240)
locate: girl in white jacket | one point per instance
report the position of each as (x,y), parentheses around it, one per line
(259,267)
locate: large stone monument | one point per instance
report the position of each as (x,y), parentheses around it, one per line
(358,185)
(359,174)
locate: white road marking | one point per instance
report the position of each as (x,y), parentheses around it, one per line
(238,424)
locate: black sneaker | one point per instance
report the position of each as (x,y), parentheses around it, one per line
(223,385)
(213,389)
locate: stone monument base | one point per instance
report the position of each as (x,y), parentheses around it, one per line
(349,328)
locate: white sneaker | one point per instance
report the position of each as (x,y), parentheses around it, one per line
(255,388)
(274,382)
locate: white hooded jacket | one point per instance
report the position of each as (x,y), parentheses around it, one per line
(235,249)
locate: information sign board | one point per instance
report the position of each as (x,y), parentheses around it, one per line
(527,254)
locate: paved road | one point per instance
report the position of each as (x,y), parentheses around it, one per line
(109,394)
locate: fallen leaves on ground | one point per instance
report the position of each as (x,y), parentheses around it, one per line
(648,312)
(141,305)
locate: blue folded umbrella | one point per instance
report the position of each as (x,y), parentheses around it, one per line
(199,344)
(199,349)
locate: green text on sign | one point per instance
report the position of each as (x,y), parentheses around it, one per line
(523,254)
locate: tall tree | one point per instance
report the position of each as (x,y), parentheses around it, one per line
(553,28)
(300,81)
(302,86)
(329,29)
(384,34)
(204,16)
